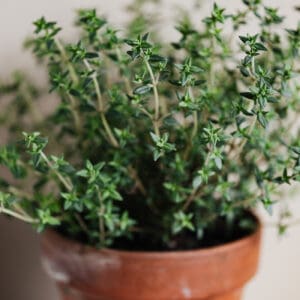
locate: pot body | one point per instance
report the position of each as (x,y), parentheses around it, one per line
(85,273)
(67,293)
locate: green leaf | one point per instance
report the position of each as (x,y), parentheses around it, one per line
(268,205)
(196,69)
(197,182)
(296,149)
(142,90)
(154,58)
(145,36)
(198,82)
(218,162)
(261,47)
(82,173)
(248,95)
(157,154)
(262,120)
(91,55)
(182,221)
(244,39)
(154,137)
(245,71)
(273,100)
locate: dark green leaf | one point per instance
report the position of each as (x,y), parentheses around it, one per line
(141,90)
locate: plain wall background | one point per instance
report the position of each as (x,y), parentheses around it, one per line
(21,276)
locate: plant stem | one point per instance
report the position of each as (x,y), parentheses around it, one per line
(126,81)
(211,70)
(17,215)
(195,128)
(250,130)
(107,128)
(101,220)
(253,66)
(75,112)
(253,122)
(63,53)
(19,193)
(190,199)
(82,223)
(195,191)
(19,209)
(145,111)
(195,115)
(162,100)
(133,174)
(68,185)
(75,79)
(156,98)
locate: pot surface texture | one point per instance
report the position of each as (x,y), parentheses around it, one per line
(85,273)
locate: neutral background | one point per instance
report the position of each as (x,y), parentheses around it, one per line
(21,276)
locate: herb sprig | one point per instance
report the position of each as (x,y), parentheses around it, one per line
(157,142)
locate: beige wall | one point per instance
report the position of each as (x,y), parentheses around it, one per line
(21,277)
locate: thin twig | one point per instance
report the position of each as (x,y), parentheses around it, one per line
(195,128)
(107,128)
(250,130)
(62,51)
(17,215)
(101,219)
(126,81)
(75,113)
(196,190)
(74,78)
(133,174)
(68,185)
(82,223)
(156,99)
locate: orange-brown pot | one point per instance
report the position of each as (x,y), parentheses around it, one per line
(84,273)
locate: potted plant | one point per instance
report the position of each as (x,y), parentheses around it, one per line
(144,177)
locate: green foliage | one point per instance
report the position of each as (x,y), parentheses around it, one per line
(154,141)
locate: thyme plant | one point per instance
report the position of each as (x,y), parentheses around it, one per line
(158,145)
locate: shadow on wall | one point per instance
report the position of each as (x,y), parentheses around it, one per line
(21,276)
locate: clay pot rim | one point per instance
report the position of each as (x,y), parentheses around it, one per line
(174,254)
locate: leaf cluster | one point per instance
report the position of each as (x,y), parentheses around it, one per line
(161,145)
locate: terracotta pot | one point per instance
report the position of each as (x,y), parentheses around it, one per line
(84,273)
